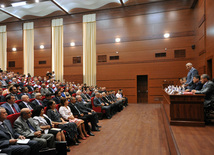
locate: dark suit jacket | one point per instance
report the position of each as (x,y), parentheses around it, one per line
(57,100)
(17,97)
(97,102)
(84,97)
(9,109)
(106,100)
(22,105)
(208,90)
(196,86)
(30,88)
(5,136)
(2,98)
(35,103)
(74,109)
(82,108)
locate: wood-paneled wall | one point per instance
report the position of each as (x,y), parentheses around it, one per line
(141,37)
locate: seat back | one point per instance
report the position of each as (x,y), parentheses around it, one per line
(97,109)
(45,110)
(57,107)
(32,99)
(18,101)
(13,117)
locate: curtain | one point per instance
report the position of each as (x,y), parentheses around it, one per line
(57,48)
(29,48)
(89,49)
(3,48)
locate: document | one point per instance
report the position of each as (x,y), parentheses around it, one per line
(23,141)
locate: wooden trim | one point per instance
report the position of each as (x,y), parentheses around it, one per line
(194,4)
(60,7)
(146,61)
(172,145)
(38,67)
(116,80)
(201,21)
(202,52)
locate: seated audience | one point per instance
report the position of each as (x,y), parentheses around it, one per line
(30,87)
(25,92)
(25,126)
(13,91)
(57,97)
(98,102)
(66,113)
(56,118)
(2,98)
(87,112)
(8,142)
(37,101)
(10,105)
(44,90)
(47,99)
(50,88)
(36,90)
(208,90)
(26,103)
(7,91)
(45,123)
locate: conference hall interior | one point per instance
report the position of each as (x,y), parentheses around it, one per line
(112,77)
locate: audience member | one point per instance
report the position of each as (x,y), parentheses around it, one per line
(10,105)
(25,103)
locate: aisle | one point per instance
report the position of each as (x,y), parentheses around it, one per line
(137,130)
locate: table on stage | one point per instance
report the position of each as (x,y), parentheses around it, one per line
(184,110)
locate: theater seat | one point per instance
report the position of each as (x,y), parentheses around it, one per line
(45,110)
(97,109)
(18,101)
(32,99)
(74,95)
(13,117)
(2,103)
(57,107)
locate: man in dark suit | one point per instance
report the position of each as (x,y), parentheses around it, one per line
(8,139)
(91,114)
(37,101)
(13,91)
(114,107)
(10,105)
(25,92)
(47,99)
(2,99)
(25,126)
(51,90)
(30,87)
(197,85)
(25,103)
(36,90)
(78,114)
(208,90)
(192,72)
(57,97)
(98,102)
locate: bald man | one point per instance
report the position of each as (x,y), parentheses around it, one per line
(25,125)
(25,103)
(192,72)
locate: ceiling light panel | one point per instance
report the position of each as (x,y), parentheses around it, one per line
(92,4)
(34,9)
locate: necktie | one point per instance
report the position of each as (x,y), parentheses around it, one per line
(76,109)
(14,109)
(6,128)
(30,126)
(39,102)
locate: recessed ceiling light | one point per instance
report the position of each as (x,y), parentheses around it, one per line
(18,4)
(37,1)
(42,46)
(166,35)
(72,44)
(2,6)
(14,49)
(117,40)
(117,52)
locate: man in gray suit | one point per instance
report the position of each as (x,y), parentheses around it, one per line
(8,139)
(25,125)
(11,107)
(207,89)
(192,72)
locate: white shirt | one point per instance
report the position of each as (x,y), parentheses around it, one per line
(119,95)
(65,112)
(27,105)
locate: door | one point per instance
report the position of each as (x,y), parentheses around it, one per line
(142,88)
(209,68)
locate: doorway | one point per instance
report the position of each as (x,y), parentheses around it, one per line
(209,68)
(142,88)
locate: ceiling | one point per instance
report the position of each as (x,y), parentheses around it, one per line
(50,8)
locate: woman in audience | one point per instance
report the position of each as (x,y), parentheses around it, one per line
(69,127)
(6,91)
(66,113)
(45,123)
(61,89)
